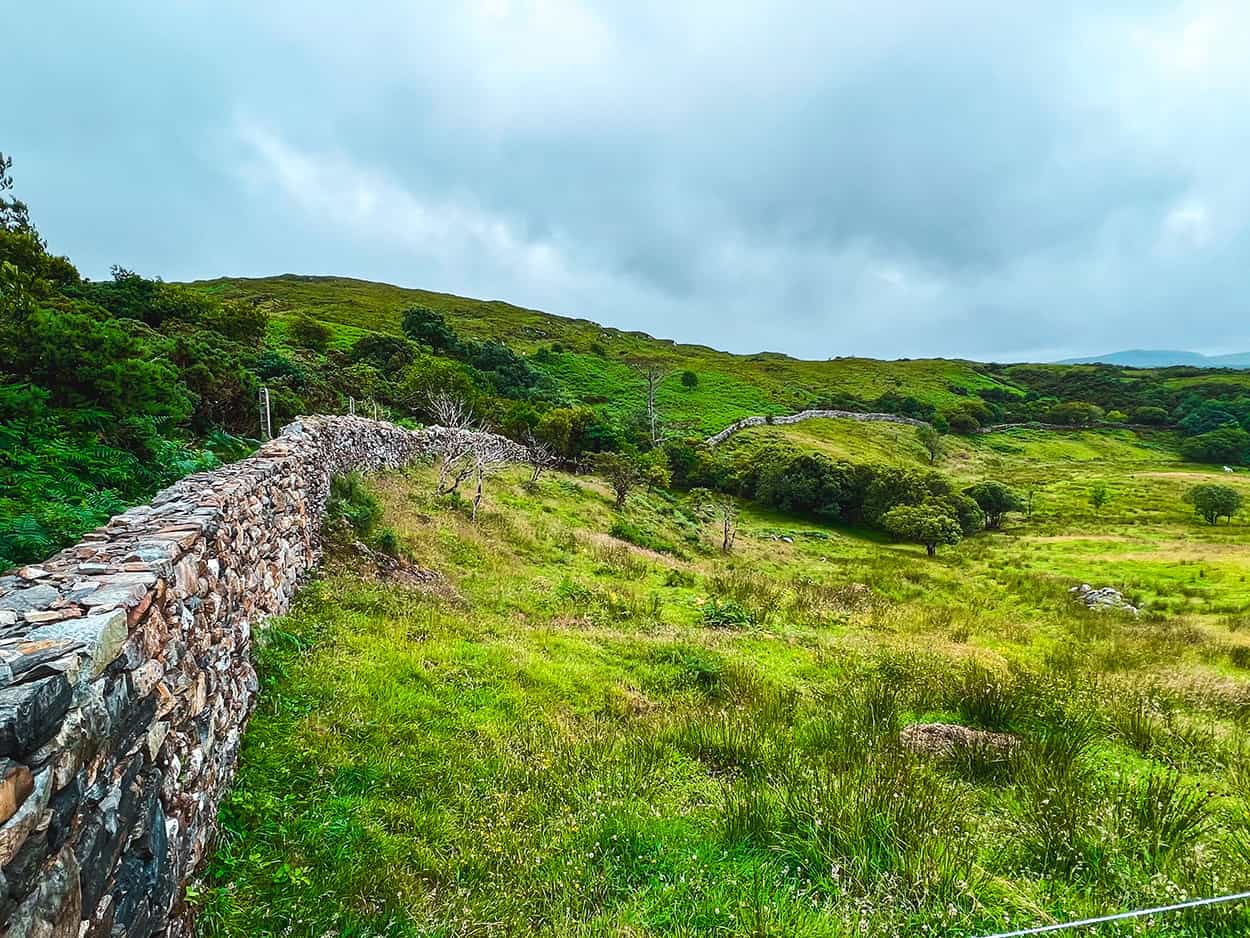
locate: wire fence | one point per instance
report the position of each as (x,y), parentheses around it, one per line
(1120,916)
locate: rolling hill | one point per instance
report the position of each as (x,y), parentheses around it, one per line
(1163,358)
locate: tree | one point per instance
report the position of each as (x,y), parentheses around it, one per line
(309,333)
(1151,416)
(931,440)
(541,456)
(14,215)
(722,509)
(1214,501)
(922,524)
(689,380)
(455,446)
(1099,495)
(960,421)
(652,373)
(623,472)
(995,500)
(422,324)
(488,457)
(387,353)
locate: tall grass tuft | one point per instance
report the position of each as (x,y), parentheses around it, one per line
(985,699)
(1161,815)
(884,816)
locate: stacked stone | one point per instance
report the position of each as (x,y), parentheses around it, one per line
(126,678)
(786,419)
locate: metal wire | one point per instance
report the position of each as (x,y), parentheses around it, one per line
(1119,916)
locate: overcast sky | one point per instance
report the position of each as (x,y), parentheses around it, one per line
(897,178)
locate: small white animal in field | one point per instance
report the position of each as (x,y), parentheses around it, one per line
(1228,468)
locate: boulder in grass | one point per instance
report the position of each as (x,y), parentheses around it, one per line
(1102,598)
(949,739)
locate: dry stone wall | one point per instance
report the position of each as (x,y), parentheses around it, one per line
(786,419)
(126,678)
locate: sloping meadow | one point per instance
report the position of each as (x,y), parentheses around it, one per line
(554,730)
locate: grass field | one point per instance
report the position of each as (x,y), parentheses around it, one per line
(570,734)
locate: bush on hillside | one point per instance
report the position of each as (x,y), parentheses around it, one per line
(308,333)
(1214,501)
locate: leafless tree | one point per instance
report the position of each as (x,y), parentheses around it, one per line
(456,445)
(652,373)
(541,457)
(489,456)
(722,509)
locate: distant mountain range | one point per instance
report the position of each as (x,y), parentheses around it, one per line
(1163,358)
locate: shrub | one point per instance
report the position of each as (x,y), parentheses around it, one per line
(1214,501)
(309,333)
(725,612)
(623,471)
(1229,445)
(689,380)
(353,504)
(1099,494)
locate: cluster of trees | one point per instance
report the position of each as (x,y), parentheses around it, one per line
(920,505)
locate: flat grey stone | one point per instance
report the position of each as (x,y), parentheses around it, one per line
(101,635)
(34,597)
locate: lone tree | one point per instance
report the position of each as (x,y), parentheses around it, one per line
(652,373)
(689,379)
(722,509)
(488,456)
(1214,502)
(995,500)
(424,325)
(1099,494)
(931,440)
(623,472)
(922,524)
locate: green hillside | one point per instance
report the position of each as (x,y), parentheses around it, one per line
(592,364)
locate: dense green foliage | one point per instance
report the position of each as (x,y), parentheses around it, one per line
(1214,502)
(995,500)
(925,524)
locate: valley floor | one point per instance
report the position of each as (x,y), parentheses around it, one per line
(569,733)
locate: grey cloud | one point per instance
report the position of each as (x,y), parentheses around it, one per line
(970,178)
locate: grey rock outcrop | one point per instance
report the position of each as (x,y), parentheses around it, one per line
(1103,598)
